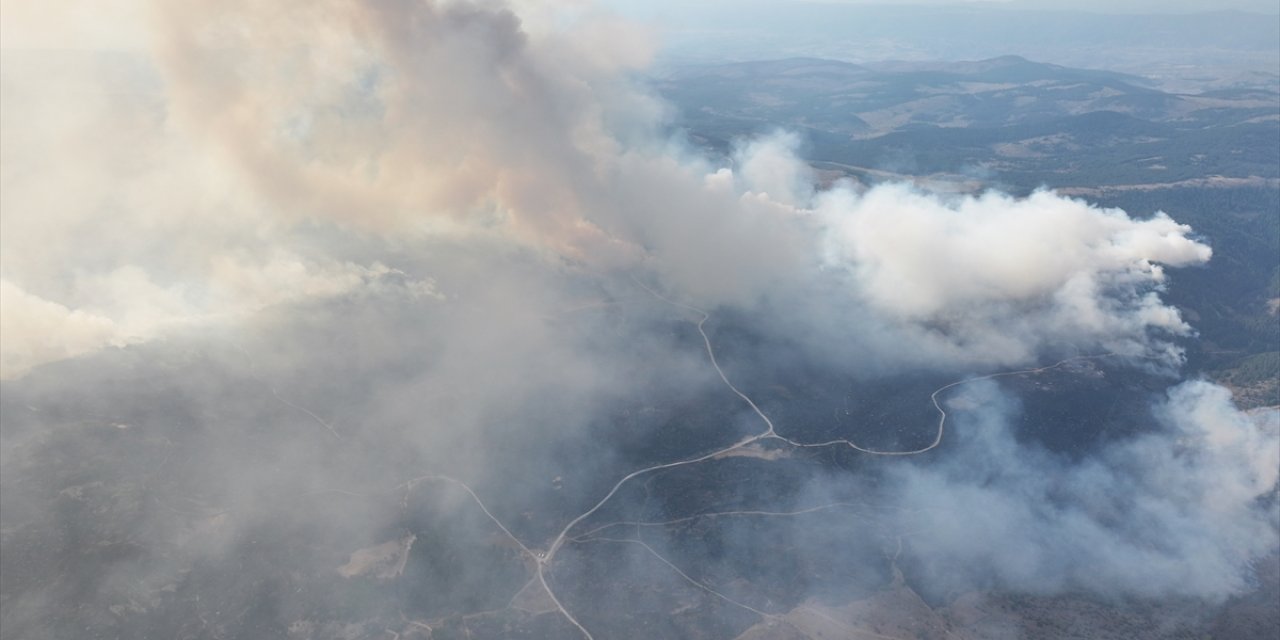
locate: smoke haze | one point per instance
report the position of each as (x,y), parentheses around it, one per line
(271,270)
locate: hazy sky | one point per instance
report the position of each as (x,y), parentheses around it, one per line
(1100,6)
(1156,39)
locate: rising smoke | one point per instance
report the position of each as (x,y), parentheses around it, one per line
(337,245)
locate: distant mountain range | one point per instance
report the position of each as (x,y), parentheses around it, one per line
(1183,50)
(874,99)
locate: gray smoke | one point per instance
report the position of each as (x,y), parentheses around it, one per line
(1179,511)
(270,269)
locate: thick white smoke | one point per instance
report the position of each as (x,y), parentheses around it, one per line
(187,180)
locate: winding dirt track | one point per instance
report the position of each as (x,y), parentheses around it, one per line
(543,560)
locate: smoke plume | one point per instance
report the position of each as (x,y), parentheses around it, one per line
(271,269)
